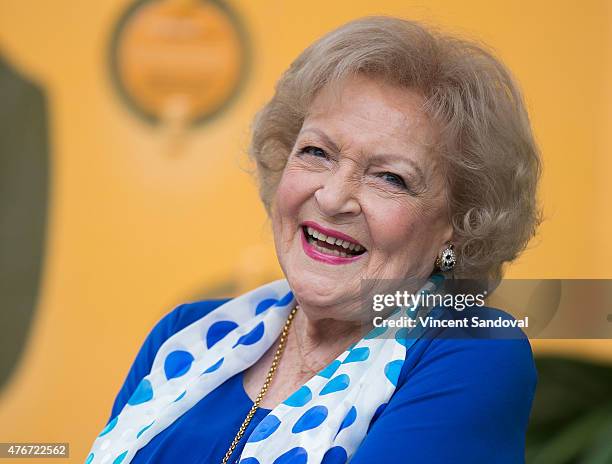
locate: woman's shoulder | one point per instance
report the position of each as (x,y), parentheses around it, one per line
(470,370)
(476,347)
(172,322)
(187,313)
(472,393)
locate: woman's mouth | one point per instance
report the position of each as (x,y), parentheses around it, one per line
(329,248)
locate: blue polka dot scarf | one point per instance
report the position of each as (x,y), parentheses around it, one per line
(325,420)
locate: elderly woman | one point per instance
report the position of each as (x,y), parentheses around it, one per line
(387,152)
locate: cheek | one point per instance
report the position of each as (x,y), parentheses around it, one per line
(391,227)
(398,226)
(293,190)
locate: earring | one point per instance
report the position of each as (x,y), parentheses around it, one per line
(447,259)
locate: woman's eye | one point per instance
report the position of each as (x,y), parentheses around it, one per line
(315,151)
(393,179)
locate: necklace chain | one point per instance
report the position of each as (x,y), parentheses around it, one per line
(264,388)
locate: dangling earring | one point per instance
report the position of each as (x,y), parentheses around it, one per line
(447,259)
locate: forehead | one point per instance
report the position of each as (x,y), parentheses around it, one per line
(362,112)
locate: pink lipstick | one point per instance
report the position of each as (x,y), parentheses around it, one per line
(328,245)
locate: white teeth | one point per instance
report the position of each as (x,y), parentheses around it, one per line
(333,241)
(328,251)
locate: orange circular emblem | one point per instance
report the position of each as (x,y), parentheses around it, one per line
(178,58)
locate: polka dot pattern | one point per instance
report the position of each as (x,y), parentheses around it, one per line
(338,383)
(335,455)
(331,368)
(297,455)
(144,429)
(264,305)
(334,407)
(349,419)
(284,301)
(110,426)
(357,355)
(310,419)
(300,397)
(142,394)
(401,336)
(218,331)
(265,428)
(375,332)
(249,461)
(392,371)
(214,366)
(120,458)
(252,337)
(177,363)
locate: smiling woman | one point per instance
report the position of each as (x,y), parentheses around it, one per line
(361,167)
(387,152)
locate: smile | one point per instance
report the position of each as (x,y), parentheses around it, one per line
(329,246)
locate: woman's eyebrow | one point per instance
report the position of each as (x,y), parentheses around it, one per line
(323,136)
(390,157)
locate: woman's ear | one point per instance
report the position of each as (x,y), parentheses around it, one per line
(449,235)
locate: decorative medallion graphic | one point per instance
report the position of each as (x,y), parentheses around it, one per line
(178,59)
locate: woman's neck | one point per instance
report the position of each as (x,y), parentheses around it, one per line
(320,341)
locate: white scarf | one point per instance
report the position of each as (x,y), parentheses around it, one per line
(327,417)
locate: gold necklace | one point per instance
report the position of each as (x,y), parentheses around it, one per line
(264,388)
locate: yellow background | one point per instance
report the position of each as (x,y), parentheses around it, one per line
(141,221)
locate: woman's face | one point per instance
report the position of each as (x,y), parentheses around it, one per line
(360,173)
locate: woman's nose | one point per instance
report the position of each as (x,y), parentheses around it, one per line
(337,195)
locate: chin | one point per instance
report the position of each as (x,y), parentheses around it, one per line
(317,285)
(318,291)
